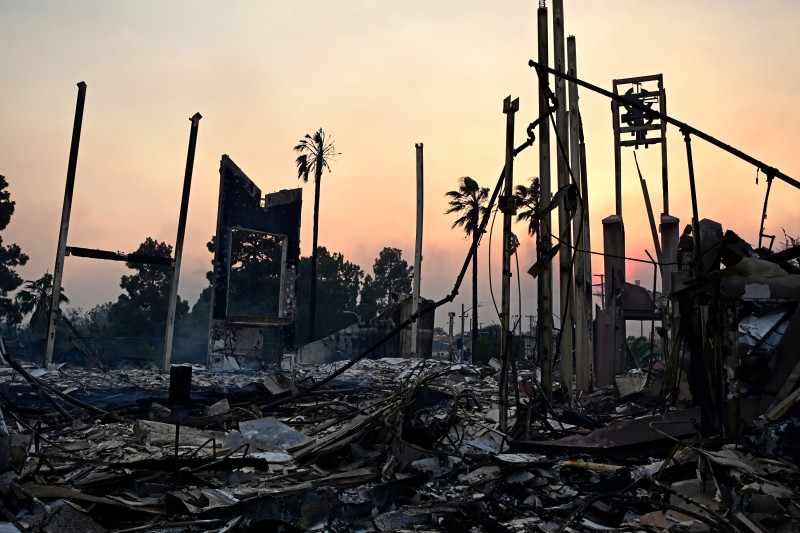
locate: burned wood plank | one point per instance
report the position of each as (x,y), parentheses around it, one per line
(143,259)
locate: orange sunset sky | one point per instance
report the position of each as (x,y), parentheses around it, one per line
(379,77)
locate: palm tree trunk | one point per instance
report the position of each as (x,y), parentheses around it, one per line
(312,315)
(474,295)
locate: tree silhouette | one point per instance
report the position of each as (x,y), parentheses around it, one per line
(36,297)
(469,201)
(316,153)
(338,283)
(393,278)
(10,256)
(528,198)
(142,310)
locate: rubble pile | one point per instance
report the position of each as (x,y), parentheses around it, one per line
(390,445)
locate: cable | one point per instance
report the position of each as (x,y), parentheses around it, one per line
(615,256)
(491,290)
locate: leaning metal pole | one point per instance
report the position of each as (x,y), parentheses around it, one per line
(176,264)
(66,210)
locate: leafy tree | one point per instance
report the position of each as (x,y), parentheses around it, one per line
(487,345)
(392,277)
(194,324)
(316,154)
(253,286)
(142,310)
(640,349)
(36,298)
(255,276)
(469,202)
(529,199)
(368,300)
(96,319)
(11,256)
(338,282)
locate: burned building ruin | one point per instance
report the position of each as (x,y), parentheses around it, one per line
(236,334)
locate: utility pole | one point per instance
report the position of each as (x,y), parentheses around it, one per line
(602,285)
(450,357)
(508,207)
(176,265)
(462,333)
(581,327)
(66,210)
(565,250)
(587,259)
(417,255)
(544,238)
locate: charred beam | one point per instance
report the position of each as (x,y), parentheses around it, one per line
(142,259)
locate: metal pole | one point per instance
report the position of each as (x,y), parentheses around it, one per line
(764,213)
(176,266)
(698,249)
(649,207)
(417,255)
(61,251)
(508,207)
(565,251)
(545,279)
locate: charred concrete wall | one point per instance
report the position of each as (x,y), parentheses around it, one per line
(237,341)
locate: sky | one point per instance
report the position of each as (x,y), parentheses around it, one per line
(378,77)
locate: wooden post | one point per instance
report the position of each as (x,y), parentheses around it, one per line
(617,155)
(450,356)
(565,232)
(66,210)
(176,265)
(508,207)
(417,255)
(462,359)
(545,279)
(581,333)
(588,278)
(662,108)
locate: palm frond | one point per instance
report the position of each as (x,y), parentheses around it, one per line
(468,201)
(318,151)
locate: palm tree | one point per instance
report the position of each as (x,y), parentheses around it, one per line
(469,201)
(36,297)
(316,153)
(528,198)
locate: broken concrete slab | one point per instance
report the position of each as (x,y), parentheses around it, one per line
(271,435)
(162,433)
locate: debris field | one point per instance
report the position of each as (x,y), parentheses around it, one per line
(389,445)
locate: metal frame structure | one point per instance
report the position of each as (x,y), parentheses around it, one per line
(64,250)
